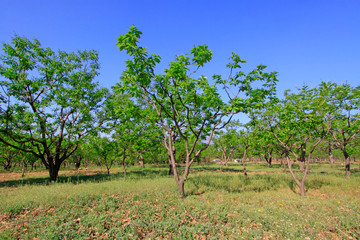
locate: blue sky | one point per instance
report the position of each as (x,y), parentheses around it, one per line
(305,41)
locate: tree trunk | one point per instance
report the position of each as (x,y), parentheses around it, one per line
(269,163)
(302,157)
(54,171)
(23,169)
(124,162)
(181,187)
(302,189)
(244,167)
(331,156)
(347,163)
(301,184)
(243,163)
(171,169)
(7,165)
(141,161)
(283,163)
(77,165)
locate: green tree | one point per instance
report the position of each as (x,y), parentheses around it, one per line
(49,100)
(346,125)
(188,107)
(226,142)
(135,136)
(298,119)
(106,151)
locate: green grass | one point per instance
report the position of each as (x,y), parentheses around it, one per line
(218,205)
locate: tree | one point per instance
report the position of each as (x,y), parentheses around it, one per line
(7,155)
(188,107)
(296,120)
(49,100)
(244,141)
(225,142)
(133,135)
(263,142)
(345,101)
(106,150)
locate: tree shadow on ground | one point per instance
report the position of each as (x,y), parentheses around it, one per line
(255,183)
(82,178)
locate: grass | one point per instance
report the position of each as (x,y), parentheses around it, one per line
(219,205)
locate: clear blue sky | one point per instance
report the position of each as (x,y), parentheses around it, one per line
(306,41)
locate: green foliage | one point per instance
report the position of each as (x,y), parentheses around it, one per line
(49,99)
(186,107)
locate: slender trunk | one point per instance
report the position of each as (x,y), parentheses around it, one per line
(283,163)
(23,169)
(301,185)
(347,163)
(141,161)
(268,157)
(124,162)
(243,163)
(331,155)
(171,153)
